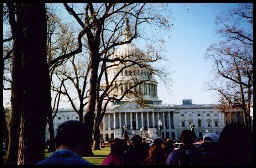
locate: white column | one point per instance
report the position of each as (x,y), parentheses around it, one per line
(142,120)
(169,116)
(153,115)
(109,127)
(104,122)
(163,119)
(125,117)
(137,120)
(130,120)
(150,89)
(158,117)
(114,120)
(120,122)
(156,90)
(148,119)
(142,88)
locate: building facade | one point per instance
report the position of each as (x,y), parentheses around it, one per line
(140,111)
(165,121)
(151,119)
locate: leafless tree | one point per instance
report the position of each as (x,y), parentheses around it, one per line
(60,41)
(22,135)
(73,76)
(104,27)
(17,90)
(233,60)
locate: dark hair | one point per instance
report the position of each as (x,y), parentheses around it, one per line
(118,146)
(72,133)
(156,155)
(187,137)
(169,146)
(158,141)
(236,145)
(136,140)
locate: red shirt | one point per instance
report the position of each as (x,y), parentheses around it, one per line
(113,160)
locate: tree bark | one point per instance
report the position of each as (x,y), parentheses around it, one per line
(90,114)
(97,137)
(17,89)
(98,120)
(80,114)
(52,146)
(34,91)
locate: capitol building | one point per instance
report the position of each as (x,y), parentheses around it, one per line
(140,111)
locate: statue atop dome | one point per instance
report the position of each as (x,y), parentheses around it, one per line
(127,32)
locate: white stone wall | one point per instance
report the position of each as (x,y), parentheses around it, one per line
(190,115)
(61,117)
(193,115)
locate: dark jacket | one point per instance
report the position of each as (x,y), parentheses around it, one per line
(63,157)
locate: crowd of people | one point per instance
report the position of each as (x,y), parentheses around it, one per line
(234,147)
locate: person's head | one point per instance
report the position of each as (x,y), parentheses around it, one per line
(73,135)
(158,141)
(169,145)
(187,137)
(236,144)
(118,146)
(136,140)
(157,153)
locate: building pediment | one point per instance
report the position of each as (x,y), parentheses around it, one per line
(128,105)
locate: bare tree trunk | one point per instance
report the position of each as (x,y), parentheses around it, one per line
(33,59)
(80,114)
(98,120)
(90,115)
(17,89)
(52,146)
(97,137)
(21,144)
(5,127)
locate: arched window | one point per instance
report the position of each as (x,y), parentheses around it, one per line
(149,89)
(145,89)
(209,123)
(199,123)
(216,123)
(183,123)
(121,88)
(154,90)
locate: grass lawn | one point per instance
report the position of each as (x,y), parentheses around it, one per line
(99,155)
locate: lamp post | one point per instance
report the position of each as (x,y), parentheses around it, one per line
(123,131)
(192,128)
(141,131)
(160,124)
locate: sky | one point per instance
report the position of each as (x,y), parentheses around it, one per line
(193,31)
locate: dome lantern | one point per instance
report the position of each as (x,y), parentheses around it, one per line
(127,32)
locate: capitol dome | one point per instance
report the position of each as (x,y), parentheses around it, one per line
(128,51)
(140,80)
